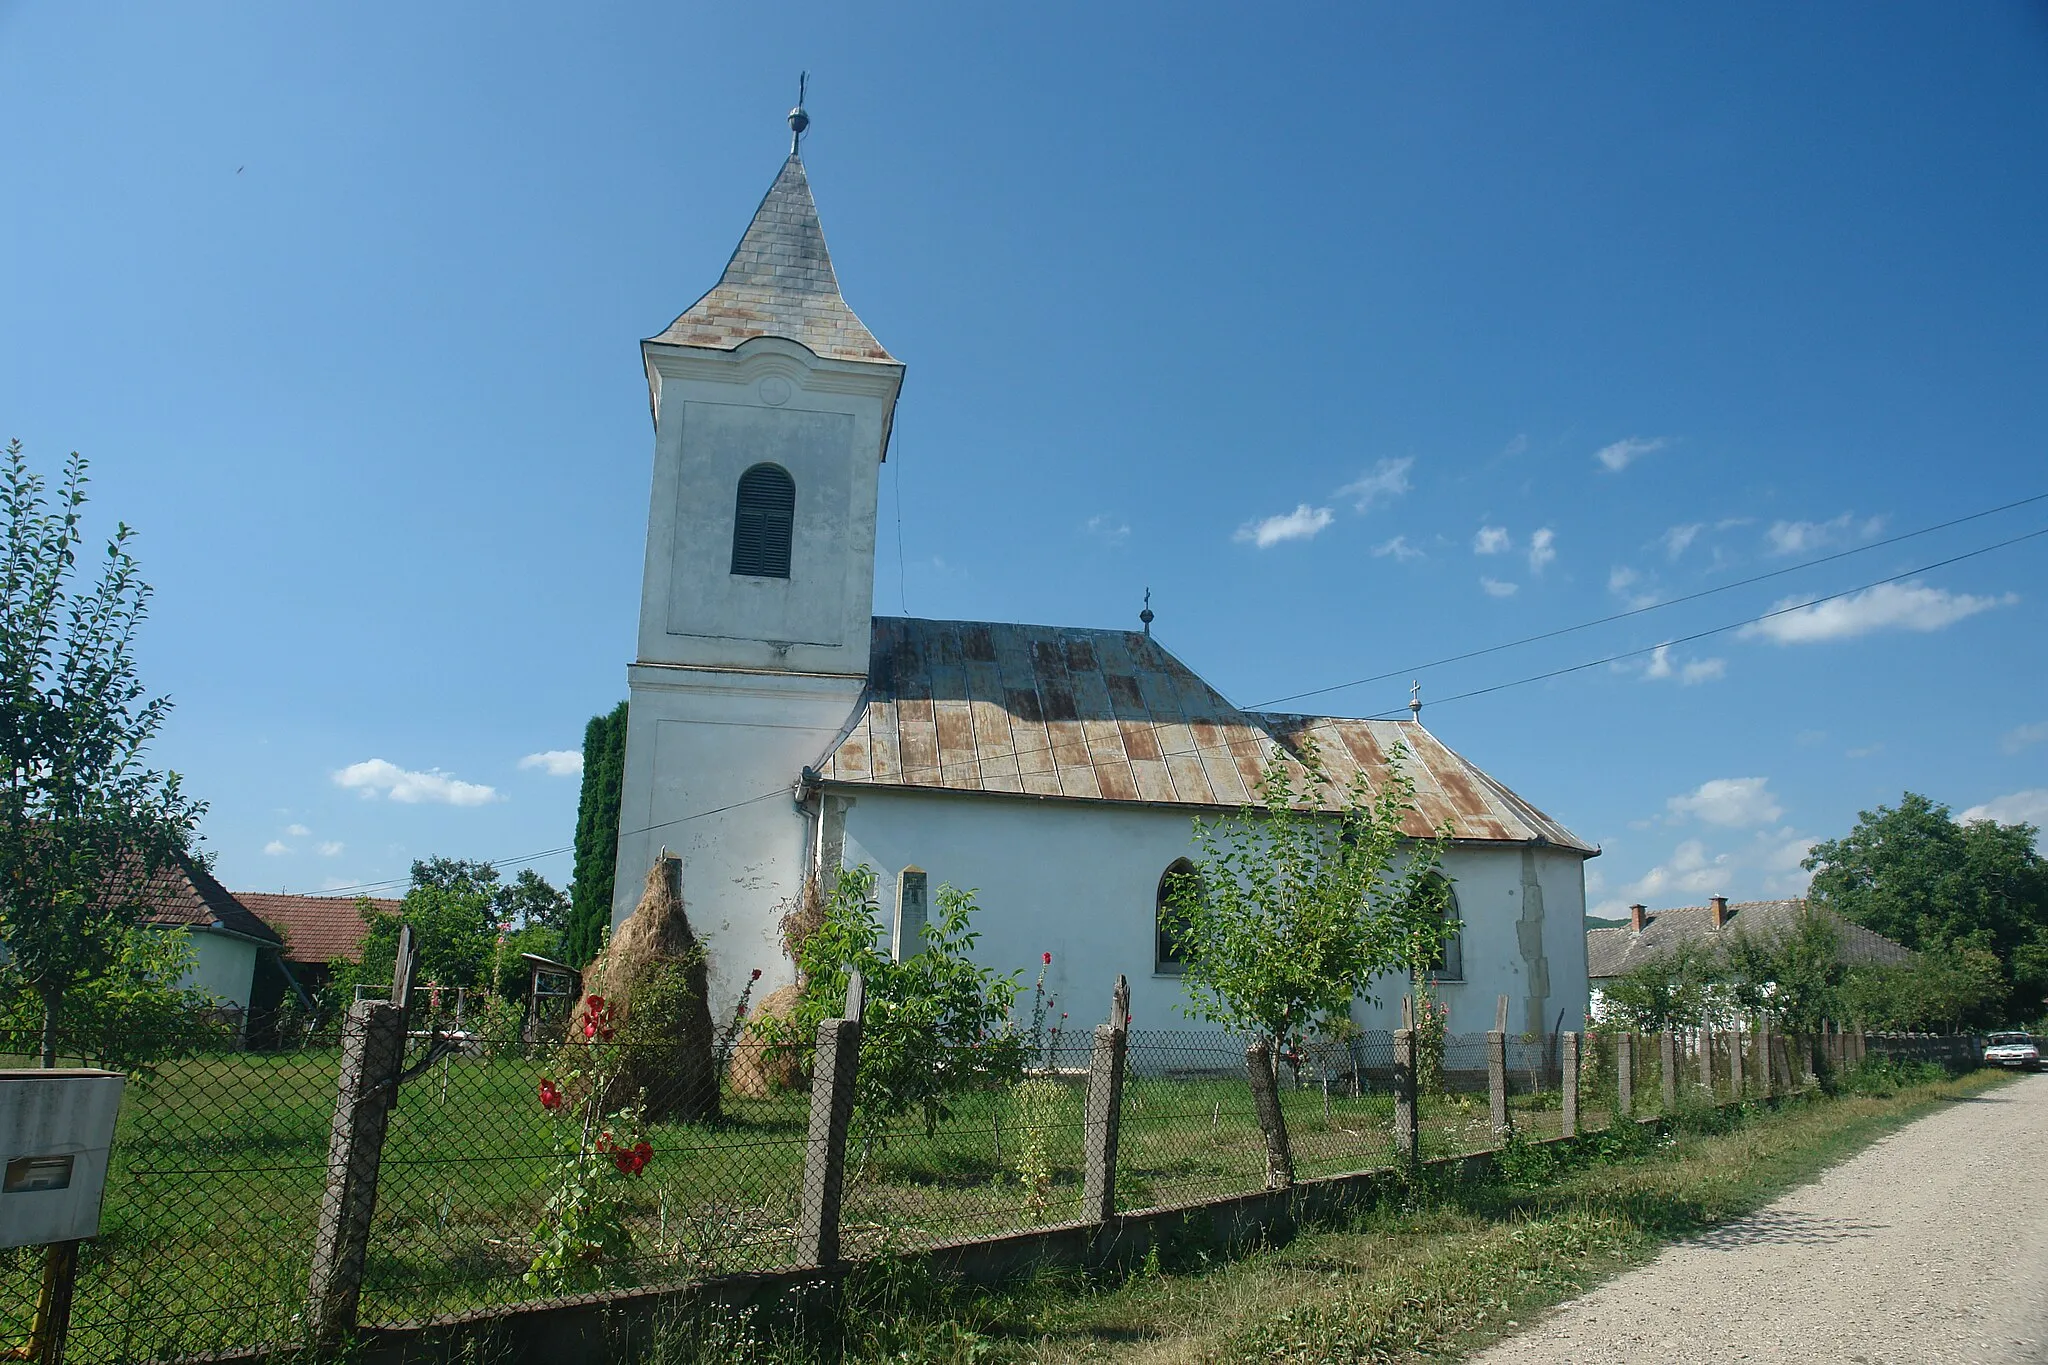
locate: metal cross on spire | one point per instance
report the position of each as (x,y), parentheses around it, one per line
(1146,615)
(798,119)
(1415,699)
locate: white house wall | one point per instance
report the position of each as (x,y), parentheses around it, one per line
(1079,880)
(223,967)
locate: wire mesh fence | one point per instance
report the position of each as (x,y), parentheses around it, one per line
(512,1171)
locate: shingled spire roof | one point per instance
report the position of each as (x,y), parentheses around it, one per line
(779,284)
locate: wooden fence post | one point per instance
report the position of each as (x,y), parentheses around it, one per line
(1735,1062)
(1258,1065)
(1497,1072)
(1707,1062)
(1105,1108)
(1667,1063)
(1624,1076)
(1407,1125)
(1568,1082)
(372,1055)
(833,1071)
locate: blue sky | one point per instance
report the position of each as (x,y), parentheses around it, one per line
(1361,335)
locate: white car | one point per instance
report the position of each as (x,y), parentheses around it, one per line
(2016,1050)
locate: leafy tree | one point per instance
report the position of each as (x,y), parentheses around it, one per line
(1684,988)
(937,1025)
(85,824)
(1794,975)
(462,919)
(1293,912)
(1943,988)
(597,836)
(134,1014)
(1915,875)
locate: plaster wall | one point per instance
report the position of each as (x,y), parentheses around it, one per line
(1079,880)
(222,967)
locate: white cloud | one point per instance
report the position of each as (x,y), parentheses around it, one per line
(296,831)
(1622,580)
(331,849)
(1768,863)
(2020,736)
(276,848)
(1660,663)
(2028,807)
(555,762)
(1801,537)
(1679,539)
(1729,801)
(1689,672)
(1385,481)
(1517,444)
(375,777)
(1110,531)
(1492,540)
(1301,524)
(1864,751)
(1542,549)
(1399,548)
(1619,456)
(1495,588)
(1702,670)
(1900,606)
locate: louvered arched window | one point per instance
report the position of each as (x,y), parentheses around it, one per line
(761,522)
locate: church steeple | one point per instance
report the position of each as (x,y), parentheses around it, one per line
(779,283)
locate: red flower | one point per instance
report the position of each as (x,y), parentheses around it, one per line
(550,1097)
(757,974)
(604,1141)
(633,1160)
(1046,959)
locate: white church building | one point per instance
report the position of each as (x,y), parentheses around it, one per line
(779,729)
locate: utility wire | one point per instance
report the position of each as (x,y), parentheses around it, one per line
(1460,696)
(1412,669)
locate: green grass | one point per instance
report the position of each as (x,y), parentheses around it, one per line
(1436,1271)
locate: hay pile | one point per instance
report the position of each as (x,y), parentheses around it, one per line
(760,1068)
(652,979)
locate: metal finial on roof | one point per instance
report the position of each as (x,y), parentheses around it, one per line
(798,119)
(1415,699)
(1145,616)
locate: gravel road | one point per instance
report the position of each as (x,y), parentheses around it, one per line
(1929,1247)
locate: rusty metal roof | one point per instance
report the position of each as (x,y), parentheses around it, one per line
(1110,715)
(779,283)
(1620,950)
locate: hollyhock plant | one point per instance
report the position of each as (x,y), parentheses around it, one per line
(583,1223)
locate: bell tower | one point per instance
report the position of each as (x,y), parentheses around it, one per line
(772,407)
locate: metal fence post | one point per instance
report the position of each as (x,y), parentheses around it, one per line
(1105,1107)
(1624,1075)
(1407,1125)
(833,1069)
(1258,1065)
(372,1055)
(1667,1063)
(1568,1082)
(1497,1071)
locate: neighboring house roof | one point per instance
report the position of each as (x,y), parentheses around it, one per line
(1110,715)
(317,928)
(1616,952)
(184,893)
(779,283)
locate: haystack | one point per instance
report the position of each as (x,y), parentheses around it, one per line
(652,979)
(759,1067)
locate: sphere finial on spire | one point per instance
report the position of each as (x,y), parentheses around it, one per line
(1145,616)
(798,119)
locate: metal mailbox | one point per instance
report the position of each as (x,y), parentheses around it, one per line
(56,1128)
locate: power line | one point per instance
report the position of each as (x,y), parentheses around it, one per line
(1654,606)
(1721,630)
(363,888)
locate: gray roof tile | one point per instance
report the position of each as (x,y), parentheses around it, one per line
(1618,951)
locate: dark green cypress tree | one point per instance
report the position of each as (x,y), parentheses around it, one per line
(597,835)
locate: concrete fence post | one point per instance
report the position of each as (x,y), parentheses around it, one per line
(1568,1083)
(833,1072)
(1497,1072)
(1707,1062)
(1258,1064)
(1667,1063)
(372,1055)
(1407,1121)
(1105,1108)
(1624,1076)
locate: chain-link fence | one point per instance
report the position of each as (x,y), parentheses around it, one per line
(513,1171)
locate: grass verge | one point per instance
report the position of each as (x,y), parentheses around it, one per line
(1434,1271)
